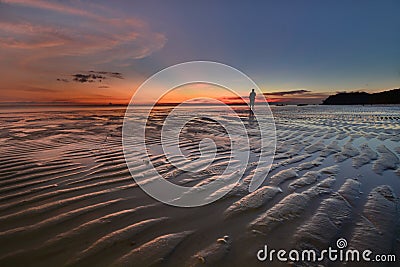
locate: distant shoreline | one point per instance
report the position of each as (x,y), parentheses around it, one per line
(391,97)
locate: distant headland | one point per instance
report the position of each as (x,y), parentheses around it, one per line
(363,98)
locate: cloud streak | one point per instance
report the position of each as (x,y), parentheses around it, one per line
(92,36)
(52,6)
(109,74)
(93,76)
(46,44)
(292,92)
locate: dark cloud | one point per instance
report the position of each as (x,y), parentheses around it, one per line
(103,86)
(93,76)
(117,75)
(292,92)
(88,78)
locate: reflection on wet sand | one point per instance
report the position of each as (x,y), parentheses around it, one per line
(67,197)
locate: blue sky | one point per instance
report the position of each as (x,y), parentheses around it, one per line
(317,46)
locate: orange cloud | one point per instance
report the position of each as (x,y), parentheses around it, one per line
(35,50)
(99,37)
(48,5)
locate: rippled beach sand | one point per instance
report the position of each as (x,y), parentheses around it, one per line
(68,199)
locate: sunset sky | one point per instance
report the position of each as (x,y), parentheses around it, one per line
(101,51)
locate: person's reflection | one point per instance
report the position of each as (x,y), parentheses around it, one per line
(251,117)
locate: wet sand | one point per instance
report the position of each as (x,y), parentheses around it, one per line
(68,199)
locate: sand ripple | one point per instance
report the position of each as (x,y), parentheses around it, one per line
(67,197)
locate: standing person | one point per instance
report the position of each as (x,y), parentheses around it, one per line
(252,97)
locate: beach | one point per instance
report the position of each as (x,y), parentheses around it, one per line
(68,199)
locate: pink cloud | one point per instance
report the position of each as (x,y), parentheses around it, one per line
(53,6)
(100,38)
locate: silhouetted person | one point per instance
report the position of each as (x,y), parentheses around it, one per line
(252,97)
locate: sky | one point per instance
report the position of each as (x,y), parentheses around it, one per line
(102,51)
